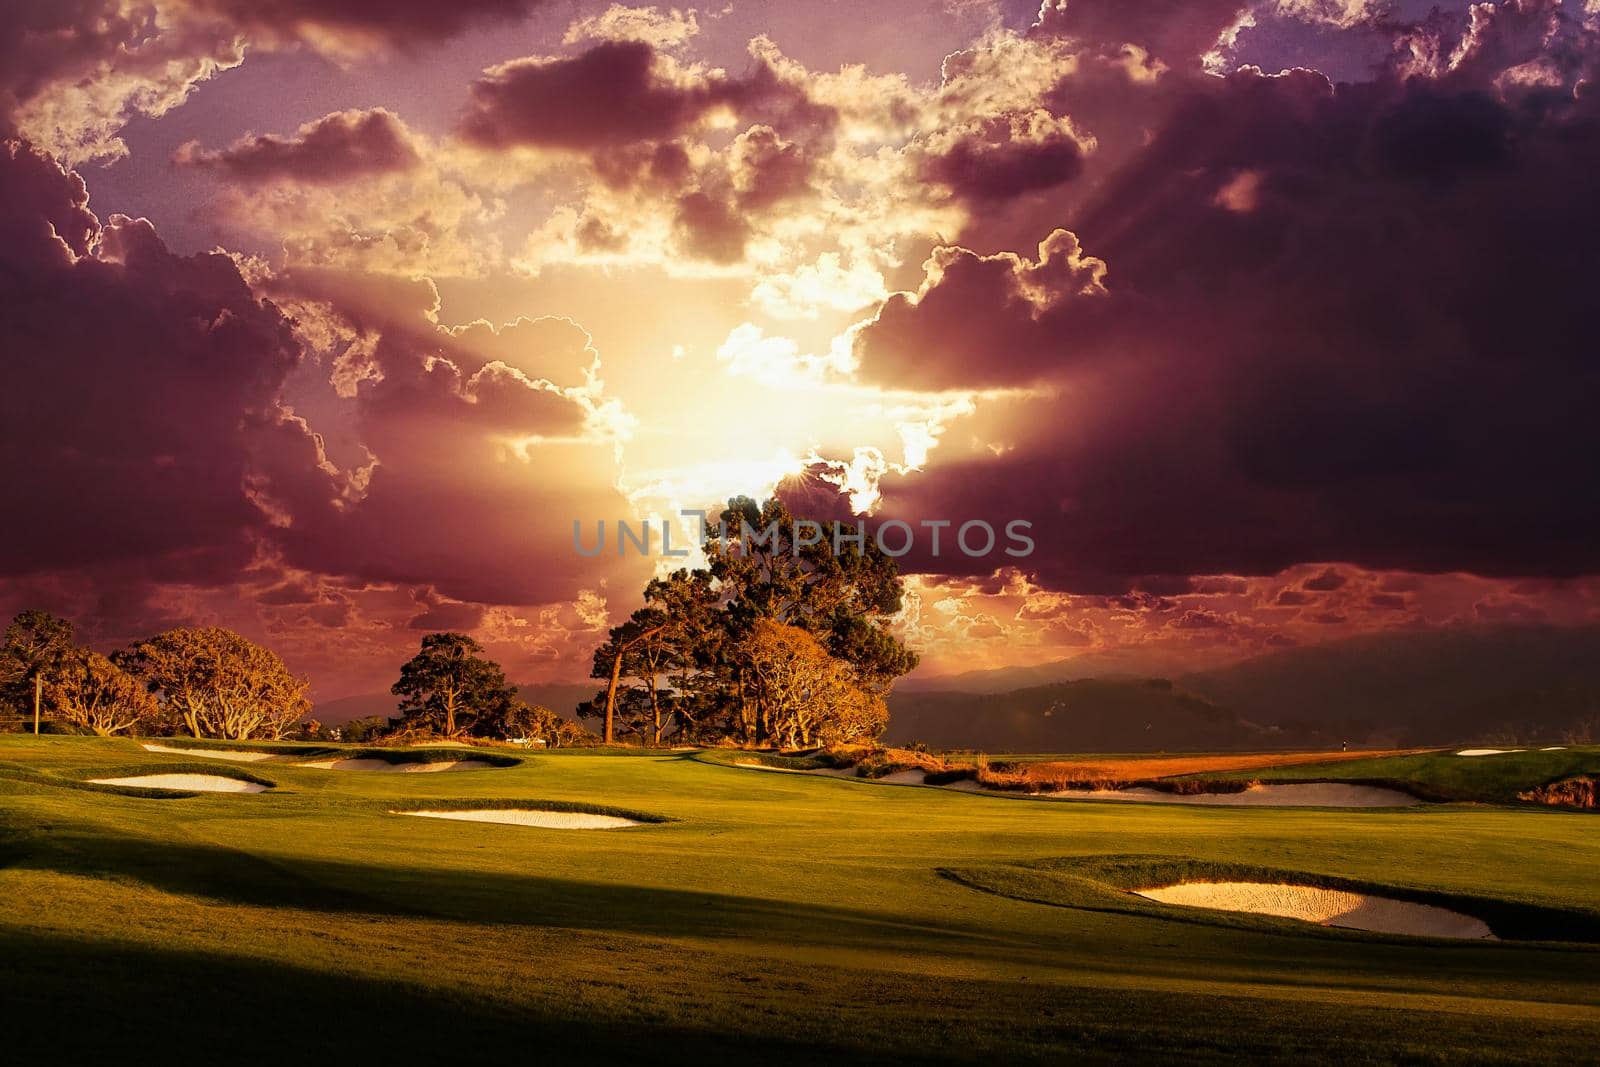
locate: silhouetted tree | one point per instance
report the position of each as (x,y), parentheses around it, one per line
(823,582)
(449,685)
(688,652)
(36,643)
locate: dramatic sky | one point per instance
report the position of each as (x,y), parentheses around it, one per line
(324,319)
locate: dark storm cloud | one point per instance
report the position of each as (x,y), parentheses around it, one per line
(767,169)
(621,93)
(140,386)
(988,320)
(45,221)
(400,22)
(1348,322)
(710,229)
(482,456)
(615,93)
(339,147)
(1002,156)
(144,422)
(1177,32)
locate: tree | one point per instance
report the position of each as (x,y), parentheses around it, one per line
(363,730)
(539,723)
(89,690)
(449,685)
(310,730)
(802,695)
(219,684)
(824,583)
(639,648)
(682,664)
(36,644)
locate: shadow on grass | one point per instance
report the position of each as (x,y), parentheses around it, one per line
(237,877)
(71,1001)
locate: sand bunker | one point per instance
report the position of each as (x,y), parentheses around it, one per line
(398,768)
(1297,795)
(549,820)
(1306,795)
(1327,907)
(1554,748)
(203,753)
(197,783)
(1488,751)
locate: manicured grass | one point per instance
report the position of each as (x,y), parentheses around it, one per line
(308,752)
(1447,776)
(778,918)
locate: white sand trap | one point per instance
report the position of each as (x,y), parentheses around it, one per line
(197,783)
(1554,748)
(1488,751)
(1328,907)
(1303,795)
(203,753)
(549,820)
(908,777)
(397,768)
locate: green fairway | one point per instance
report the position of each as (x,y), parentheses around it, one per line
(780,916)
(1446,776)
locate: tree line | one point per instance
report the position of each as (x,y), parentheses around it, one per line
(209,682)
(780,640)
(201,681)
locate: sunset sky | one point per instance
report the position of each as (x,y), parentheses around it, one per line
(324,319)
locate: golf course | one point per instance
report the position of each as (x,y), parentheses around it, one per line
(675,906)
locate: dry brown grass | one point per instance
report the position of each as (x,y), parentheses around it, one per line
(1576,792)
(1112,773)
(889,760)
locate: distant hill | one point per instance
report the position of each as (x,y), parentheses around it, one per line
(1088,715)
(338,712)
(1121,663)
(1515,683)
(558,697)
